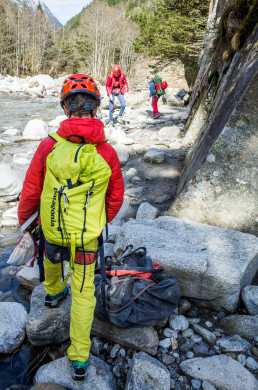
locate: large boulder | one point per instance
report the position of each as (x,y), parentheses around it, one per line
(212,264)
(43,79)
(12,326)
(245,326)
(140,339)
(99,375)
(36,129)
(10,182)
(47,325)
(147,373)
(222,371)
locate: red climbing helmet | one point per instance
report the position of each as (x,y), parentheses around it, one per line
(79,83)
(164,85)
(116,70)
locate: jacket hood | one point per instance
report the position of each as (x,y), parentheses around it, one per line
(88,130)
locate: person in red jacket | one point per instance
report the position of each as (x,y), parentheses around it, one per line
(80,99)
(116,86)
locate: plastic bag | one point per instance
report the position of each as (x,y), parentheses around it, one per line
(24,252)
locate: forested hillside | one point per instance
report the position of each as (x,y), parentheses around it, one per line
(105,32)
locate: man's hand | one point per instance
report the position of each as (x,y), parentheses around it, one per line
(110,98)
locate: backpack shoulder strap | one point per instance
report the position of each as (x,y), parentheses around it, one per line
(56,137)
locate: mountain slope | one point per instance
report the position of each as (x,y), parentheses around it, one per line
(52,19)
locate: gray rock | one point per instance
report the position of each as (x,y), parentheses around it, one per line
(168,133)
(59,371)
(10,183)
(201,350)
(114,351)
(47,325)
(46,386)
(96,346)
(122,153)
(125,213)
(147,211)
(109,249)
(189,355)
(178,322)
(147,373)
(196,384)
(251,363)
(208,386)
(196,339)
(206,267)
(162,199)
(154,156)
(206,334)
(29,277)
(140,339)
(233,344)
(188,333)
(174,343)
(245,326)
(184,305)
(166,343)
(241,359)
(131,173)
(249,296)
(221,371)
(7,297)
(12,326)
(170,333)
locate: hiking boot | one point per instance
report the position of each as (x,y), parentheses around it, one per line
(120,120)
(111,123)
(155,116)
(52,300)
(79,370)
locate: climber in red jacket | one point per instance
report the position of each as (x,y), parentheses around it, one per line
(116,86)
(80,100)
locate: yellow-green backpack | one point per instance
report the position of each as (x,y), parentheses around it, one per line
(72,204)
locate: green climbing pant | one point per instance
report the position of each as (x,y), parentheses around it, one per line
(83,304)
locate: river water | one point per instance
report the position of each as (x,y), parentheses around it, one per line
(15,112)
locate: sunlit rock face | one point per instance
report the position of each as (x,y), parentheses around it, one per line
(218,185)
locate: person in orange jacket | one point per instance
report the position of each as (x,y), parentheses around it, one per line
(116,86)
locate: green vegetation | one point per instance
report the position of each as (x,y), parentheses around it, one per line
(170,29)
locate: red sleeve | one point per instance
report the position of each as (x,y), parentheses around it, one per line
(125,84)
(109,85)
(115,190)
(33,183)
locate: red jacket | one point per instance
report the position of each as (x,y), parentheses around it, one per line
(111,83)
(93,132)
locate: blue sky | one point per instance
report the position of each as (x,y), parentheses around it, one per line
(64,10)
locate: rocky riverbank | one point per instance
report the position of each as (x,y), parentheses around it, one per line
(211,342)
